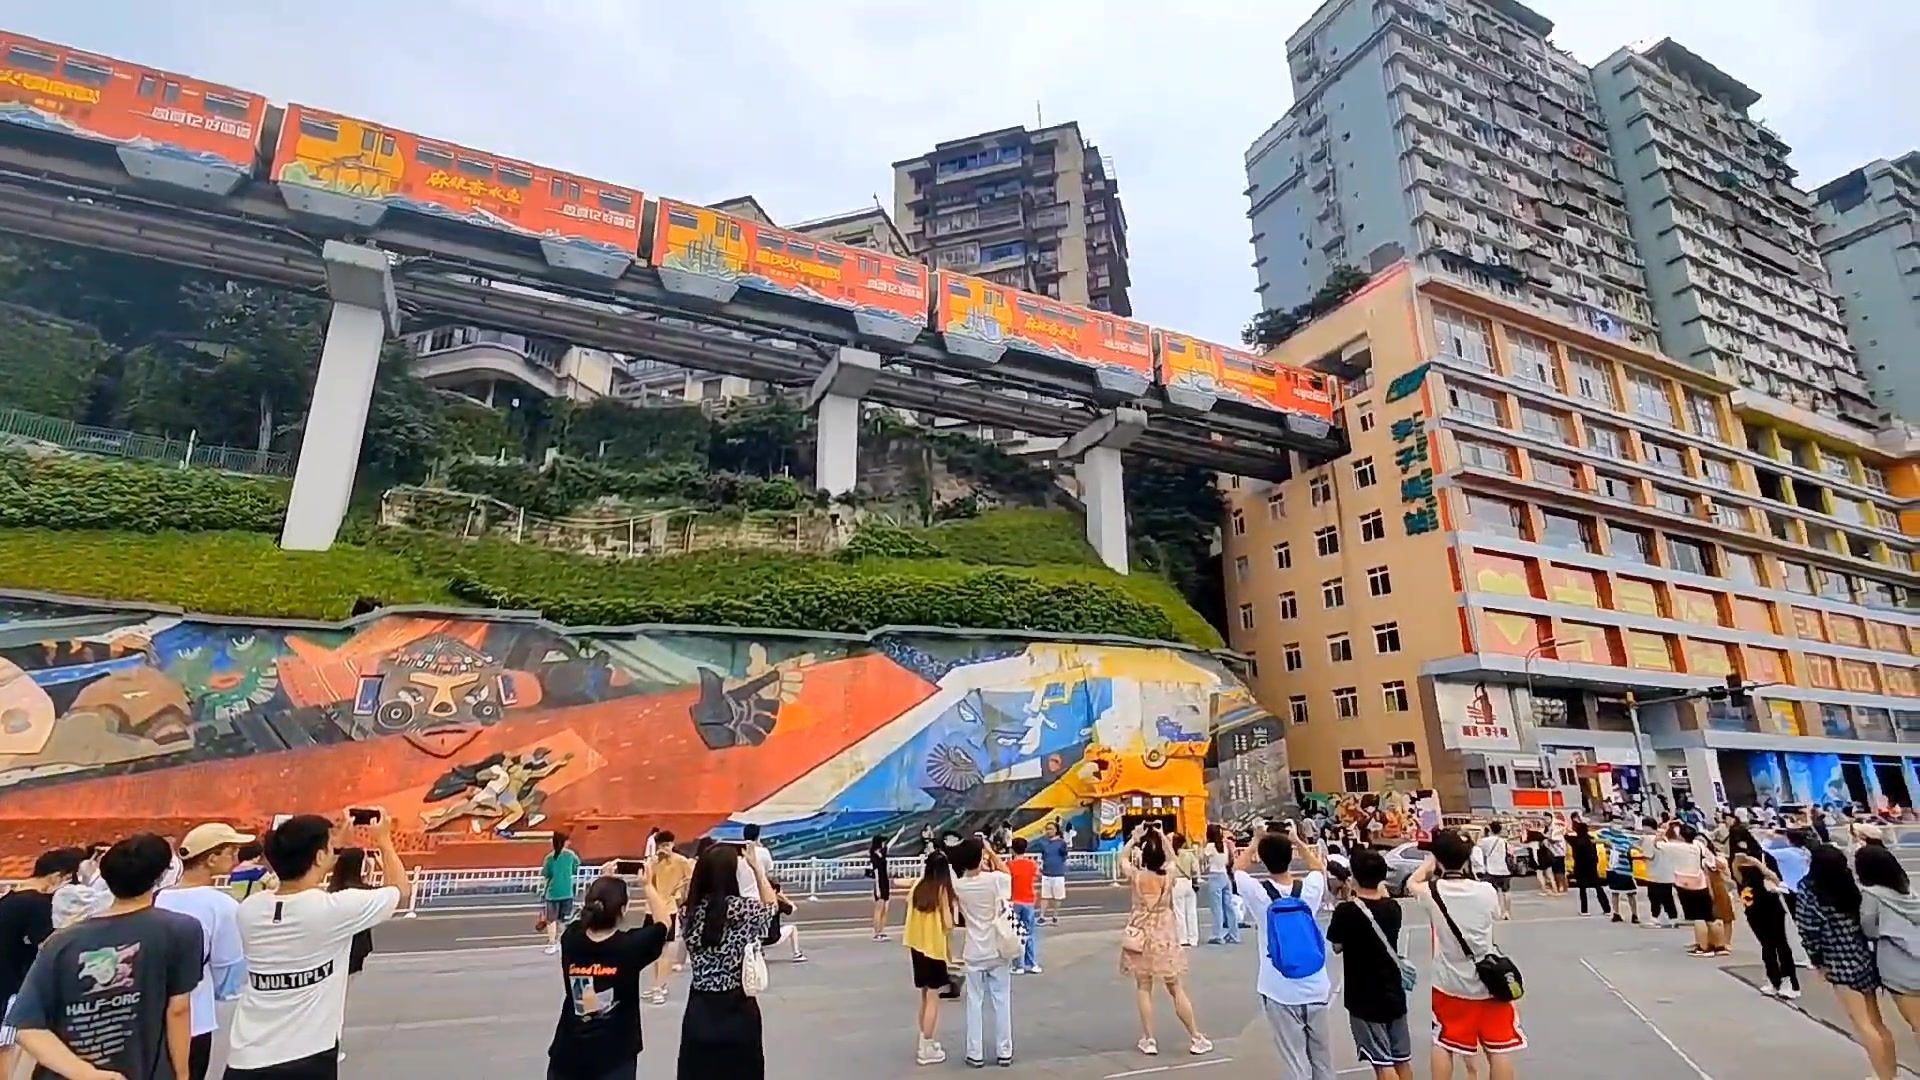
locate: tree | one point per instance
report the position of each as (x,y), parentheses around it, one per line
(1275,325)
(1174,511)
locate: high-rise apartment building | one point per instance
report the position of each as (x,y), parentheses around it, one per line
(1537,519)
(1038,210)
(1451,132)
(1732,267)
(1869,235)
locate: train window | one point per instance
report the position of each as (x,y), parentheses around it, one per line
(1266,370)
(148,84)
(474,168)
(91,74)
(559,188)
(1028,308)
(800,248)
(519,178)
(22,57)
(387,145)
(369,139)
(905,276)
(573,191)
(679,218)
(833,258)
(770,242)
(434,156)
(1067,316)
(616,202)
(734,230)
(170,94)
(231,108)
(319,129)
(1137,334)
(958,288)
(1173,344)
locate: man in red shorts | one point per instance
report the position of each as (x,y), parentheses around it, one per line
(1466,1017)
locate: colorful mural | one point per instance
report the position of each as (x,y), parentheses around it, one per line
(473,732)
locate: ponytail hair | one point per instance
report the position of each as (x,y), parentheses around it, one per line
(935,886)
(605,903)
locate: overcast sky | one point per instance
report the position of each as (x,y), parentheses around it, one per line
(806,104)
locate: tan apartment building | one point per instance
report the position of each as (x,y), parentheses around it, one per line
(1537,520)
(1038,210)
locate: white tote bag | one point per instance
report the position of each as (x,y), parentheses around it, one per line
(753,970)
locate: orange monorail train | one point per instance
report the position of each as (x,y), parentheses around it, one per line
(190,134)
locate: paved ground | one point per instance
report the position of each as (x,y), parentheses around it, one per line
(1602,1000)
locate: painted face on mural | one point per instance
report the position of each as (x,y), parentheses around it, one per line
(229,672)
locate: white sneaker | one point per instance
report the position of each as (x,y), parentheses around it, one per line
(1018,970)
(1790,993)
(1200,1045)
(1769,989)
(1036,970)
(552,950)
(929,1053)
(1148,1047)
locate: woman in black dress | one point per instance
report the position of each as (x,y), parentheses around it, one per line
(1586,867)
(882,885)
(720,1033)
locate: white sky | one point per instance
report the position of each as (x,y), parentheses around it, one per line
(806,104)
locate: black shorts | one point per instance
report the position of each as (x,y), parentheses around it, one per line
(882,887)
(1620,883)
(1696,905)
(928,973)
(1500,882)
(322,1066)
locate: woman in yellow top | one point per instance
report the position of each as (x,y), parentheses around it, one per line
(930,920)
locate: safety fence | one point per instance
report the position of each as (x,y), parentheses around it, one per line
(113,442)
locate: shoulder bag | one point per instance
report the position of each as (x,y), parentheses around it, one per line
(1006,936)
(1409,975)
(1133,938)
(753,969)
(1497,973)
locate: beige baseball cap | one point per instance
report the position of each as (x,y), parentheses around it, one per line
(204,838)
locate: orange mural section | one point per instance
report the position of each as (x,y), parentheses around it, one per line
(1755,615)
(1887,637)
(1648,650)
(1709,657)
(1585,643)
(1696,606)
(1807,624)
(1847,630)
(1492,572)
(1637,595)
(1572,585)
(1505,632)
(1767,665)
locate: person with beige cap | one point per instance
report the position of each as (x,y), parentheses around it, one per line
(209,852)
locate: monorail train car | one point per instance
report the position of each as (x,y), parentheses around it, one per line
(355,171)
(1199,374)
(167,128)
(981,320)
(704,253)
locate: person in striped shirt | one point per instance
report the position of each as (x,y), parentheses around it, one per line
(1621,845)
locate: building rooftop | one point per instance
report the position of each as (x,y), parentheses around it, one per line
(1523,15)
(951,144)
(1678,58)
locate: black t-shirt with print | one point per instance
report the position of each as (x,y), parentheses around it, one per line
(599,1024)
(26,920)
(1372,976)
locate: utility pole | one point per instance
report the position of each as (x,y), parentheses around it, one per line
(1734,692)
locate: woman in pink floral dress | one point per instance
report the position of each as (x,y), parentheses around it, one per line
(1150,947)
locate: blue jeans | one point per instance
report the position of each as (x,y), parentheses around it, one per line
(1030,926)
(1220,898)
(995,981)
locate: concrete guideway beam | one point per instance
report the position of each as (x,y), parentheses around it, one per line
(1096,450)
(835,402)
(364,313)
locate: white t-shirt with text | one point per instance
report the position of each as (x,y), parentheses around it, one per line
(1315,989)
(296,994)
(219,915)
(1473,905)
(981,896)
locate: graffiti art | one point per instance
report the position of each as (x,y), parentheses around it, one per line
(472,731)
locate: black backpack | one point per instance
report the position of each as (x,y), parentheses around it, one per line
(1497,973)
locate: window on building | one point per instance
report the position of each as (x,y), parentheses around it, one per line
(1796,577)
(1339,648)
(1283,556)
(1633,545)
(1543,423)
(1615,486)
(1532,358)
(1379,581)
(1608,442)
(1346,702)
(1742,567)
(1592,380)
(1333,593)
(1239,523)
(1704,414)
(1647,396)
(1485,455)
(1717,472)
(1326,540)
(1835,585)
(1354,780)
(1664,456)
(1497,516)
(1900,559)
(1246,616)
(1302,784)
(1291,656)
(1569,531)
(1239,568)
(1475,405)
(1873,477)
(1297,708)
(1393,695)
(1386,637)
(1673,502)
(1560,474)
(1363,473)
(1463,336)
(1321,488)
(1276,506)
(1289,606)
(1373,526)
(1689,556)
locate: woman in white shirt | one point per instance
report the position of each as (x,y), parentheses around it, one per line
(1218,856)
(983,891)
(1692,862)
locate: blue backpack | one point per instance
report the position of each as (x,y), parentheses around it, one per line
(1295,946)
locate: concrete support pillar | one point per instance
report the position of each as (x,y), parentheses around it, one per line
(364,313)
(1096,450)
(835,403)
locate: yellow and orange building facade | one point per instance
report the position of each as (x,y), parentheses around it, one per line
(1536,521)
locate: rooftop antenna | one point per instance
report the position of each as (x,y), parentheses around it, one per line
(1037,121)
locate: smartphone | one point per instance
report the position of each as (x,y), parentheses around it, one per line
(362,815)
(627,867)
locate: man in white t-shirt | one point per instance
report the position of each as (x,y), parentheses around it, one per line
(1296,1008)
(1493,861)
(984,889)
(1466,1017)
(297,940)
(209,851)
